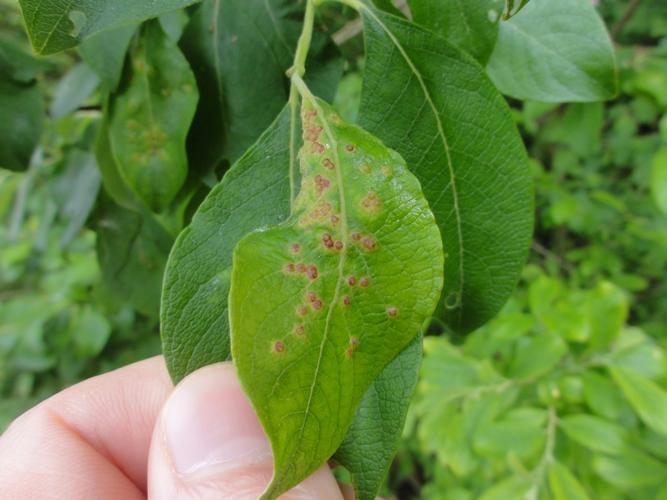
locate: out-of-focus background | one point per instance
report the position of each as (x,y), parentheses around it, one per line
(567,387)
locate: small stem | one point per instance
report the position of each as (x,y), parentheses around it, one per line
(298,69)
(303,45)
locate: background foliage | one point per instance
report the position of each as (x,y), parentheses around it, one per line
(563,395)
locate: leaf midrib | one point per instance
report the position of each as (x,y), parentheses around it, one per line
(445,143)
(341,260)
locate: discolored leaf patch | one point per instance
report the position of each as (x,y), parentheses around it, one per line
(150,118)
(321,303)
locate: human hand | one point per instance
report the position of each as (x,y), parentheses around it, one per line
(130,435)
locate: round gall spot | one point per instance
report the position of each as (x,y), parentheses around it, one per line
(321,183)
(312,296)
(312,133)
(365,168)
(334,219)
(317,148)
(328,164)
(364,282)
(295,248)
(371,202)
(347,300)
(299,330)
(312,272)
(317,305)
(278,346)
(301,267)
(392,312)
(290,268)
(302,310)
(339,245)
(356,236)
(354,342)
(351,281)
(369,244)
(349,148)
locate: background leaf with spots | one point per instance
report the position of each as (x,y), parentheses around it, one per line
(310,187)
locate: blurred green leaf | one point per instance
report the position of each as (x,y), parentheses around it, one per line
(75,87)
(150,117)
(521,432)
(536,356)
(105,53)
(512,488)
(595,433)
(659,180)
(602,396)
(630,470)
(645,396)
(564,485)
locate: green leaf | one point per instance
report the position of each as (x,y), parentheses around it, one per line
(60,24)
(659,180)
(347,281)
(513,487)
(520,432)
(630,470)
(537,355)
(647,398)
(90,332)
(372,439)
(150,118)
(470,25)
(105,53)
(595,433)
(75,87)
(563,484)
(21,107)
(434,105)
(609,311)
(555,51)
(512,7)
(225,42)
(113,183)
(77,190)
(254,193)
(602,396)
(132,249)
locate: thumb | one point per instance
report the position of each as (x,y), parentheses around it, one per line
(208,443)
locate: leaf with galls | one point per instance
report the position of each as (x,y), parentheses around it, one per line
(312,329)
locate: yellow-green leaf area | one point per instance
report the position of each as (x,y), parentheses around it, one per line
(321,303)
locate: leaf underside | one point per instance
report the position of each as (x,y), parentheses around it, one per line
(372,439)
(322,303)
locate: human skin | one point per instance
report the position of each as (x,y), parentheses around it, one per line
(130,434)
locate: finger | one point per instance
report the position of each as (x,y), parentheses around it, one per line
(209,444)
(92,437)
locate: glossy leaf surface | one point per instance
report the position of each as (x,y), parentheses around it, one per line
(320,304)
(435,106)
(60,24)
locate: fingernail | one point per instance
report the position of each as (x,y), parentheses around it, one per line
(208,422)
